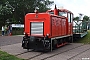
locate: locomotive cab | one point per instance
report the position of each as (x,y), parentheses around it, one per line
(45,31)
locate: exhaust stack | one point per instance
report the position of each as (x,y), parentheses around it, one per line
(55,10)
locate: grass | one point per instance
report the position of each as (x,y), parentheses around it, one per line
(6,56)
(86,39)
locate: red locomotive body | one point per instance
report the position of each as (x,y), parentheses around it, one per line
(45,31)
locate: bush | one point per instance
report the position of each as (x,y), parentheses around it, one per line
(17,31)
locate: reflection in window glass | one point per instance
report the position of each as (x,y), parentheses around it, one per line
(68,17)
(63,14)
(51,12)
(71,17)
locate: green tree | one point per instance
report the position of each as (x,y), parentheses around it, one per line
(86,18)
(76,18)
(5,12)
(15,10)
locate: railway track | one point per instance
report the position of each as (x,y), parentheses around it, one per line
(51,54)
(71,51)
(78,54)
(68,52)
(31,51)
(61,52)
(23,52)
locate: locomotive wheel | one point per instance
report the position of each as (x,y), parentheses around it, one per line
(54,44)
(70,39)
(61,41)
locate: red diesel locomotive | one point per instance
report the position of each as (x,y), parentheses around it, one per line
(45,31)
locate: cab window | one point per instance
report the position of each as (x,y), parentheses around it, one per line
(71,15)
(69,18)
(63,14)
(51,12)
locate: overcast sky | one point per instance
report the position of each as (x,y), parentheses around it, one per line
(76,6)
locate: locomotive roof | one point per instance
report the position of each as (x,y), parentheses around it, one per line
(62,10)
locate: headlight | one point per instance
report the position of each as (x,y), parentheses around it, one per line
(47,34)
(24,33)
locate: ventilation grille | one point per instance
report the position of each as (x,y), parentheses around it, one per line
(37,28)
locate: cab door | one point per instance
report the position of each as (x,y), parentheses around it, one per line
(70,23)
